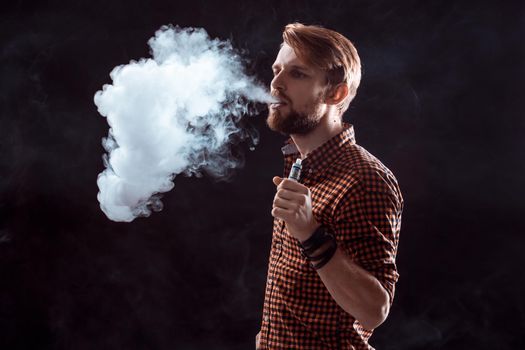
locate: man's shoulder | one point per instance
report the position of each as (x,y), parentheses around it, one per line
(366,170)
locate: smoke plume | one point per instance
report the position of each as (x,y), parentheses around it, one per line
(174,113)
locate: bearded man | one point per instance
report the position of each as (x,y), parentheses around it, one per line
(332,271)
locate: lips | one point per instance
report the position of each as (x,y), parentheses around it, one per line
(279,101)
(277,104)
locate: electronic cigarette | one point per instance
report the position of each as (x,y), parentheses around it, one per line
(295,172)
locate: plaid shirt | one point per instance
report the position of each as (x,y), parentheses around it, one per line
(358,199)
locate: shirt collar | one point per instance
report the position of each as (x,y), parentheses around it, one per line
(326,153)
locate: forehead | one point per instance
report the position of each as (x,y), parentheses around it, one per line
(287,57)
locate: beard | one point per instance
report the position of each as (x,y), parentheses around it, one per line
(294,122)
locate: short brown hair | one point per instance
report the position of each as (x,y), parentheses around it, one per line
(331,52)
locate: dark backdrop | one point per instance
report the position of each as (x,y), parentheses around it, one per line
(441,104)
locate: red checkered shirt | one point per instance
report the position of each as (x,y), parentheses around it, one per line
(358,199)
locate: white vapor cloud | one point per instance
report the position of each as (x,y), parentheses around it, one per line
(174,113)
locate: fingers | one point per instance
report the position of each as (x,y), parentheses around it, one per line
(284,204)
(290,195)
(283,214)
(294,186)
(277,180)
(258,341)
(290,199)
(290,185)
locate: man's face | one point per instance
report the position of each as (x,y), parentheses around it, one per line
(300,88)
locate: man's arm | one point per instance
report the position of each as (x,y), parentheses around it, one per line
(354,289)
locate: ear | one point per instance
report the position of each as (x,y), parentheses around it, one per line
(337,94)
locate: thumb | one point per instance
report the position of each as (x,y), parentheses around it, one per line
(277,180)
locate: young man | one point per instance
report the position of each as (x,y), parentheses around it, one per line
(332,269)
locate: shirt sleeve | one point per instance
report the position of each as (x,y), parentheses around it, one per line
(367,229)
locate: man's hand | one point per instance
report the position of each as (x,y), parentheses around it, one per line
(293,204)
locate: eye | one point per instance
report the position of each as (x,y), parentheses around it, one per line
(297,74)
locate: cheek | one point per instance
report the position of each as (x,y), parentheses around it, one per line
(305,94)
(301,96)
(307,100)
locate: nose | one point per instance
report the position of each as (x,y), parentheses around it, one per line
(278,82)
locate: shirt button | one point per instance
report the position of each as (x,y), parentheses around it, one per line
(310,171)
(266,318)
(270,281)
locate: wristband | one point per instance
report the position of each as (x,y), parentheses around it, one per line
(309,251)
(316,241)
(326,256)
(313,241)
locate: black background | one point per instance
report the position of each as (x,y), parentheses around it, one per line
(441,103)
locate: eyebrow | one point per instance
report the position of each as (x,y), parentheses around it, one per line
(293,66)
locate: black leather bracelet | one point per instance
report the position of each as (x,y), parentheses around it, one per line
(313,241)
(318,239)
(307,252)
(319,243)
(327,255)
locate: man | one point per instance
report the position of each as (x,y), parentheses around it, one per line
(332,269)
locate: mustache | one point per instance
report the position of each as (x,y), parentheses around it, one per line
(280,96)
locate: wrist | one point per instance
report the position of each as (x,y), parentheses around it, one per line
(309,233)
(319,248)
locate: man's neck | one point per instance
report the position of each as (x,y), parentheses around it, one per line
(328,128)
